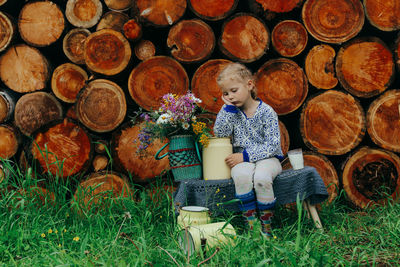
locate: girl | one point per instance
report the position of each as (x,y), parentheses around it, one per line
(253,126)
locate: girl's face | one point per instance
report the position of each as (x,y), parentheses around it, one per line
(237,92)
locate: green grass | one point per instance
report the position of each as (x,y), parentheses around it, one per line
(144,233)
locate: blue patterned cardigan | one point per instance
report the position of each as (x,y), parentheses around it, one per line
(257,137)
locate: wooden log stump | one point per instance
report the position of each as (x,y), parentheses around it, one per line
(107,52)
(74,44)
(2,2)
(41,23)
(145,49)
(155,77)
(325,169)
(62,148)
(143,167)
(191,41)
(113,20)
(383,120)
(100,162)
(99,190)
(383,14)
(365,67)
(332,123)
(244,38)
(119,5)
(370,176)
(24,69)
(271,8)
(132,30)
(212,10)
(83,13)
(333,21)
(289,38)
(319,67)
(7,105)
(101,146)
(34,110)
(204,84)
(282,84)
(9,141)
(101,105)
(67,80)
(160,12)
(7,30)
(285,139)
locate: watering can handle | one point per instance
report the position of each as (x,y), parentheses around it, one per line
(159,151)
(198,150)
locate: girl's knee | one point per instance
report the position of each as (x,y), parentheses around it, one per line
(263,182)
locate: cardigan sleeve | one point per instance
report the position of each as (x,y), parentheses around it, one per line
(272,141)
(223,126)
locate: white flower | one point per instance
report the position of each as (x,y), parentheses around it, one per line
(194,118)
(194,99)
(164,118)
(185,125)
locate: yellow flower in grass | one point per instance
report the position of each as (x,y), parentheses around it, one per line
(50,231)
(76,238)
(43,235)
(216,192)
(65,230)
(56,231)
(59,245)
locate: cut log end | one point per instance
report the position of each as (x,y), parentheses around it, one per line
(67,80)
(191,41)
(244,38)
(41,23)
(107,52)
(285,139)
(8,142)
(160,12)
(145,49)
(7,30)
(83,13)
(332,123)
(289,38)
(119,5)
(113,20)
(100,162)
(278,6)
(384,15)
(74,44)
(132,30)
(319,67)
(213,9)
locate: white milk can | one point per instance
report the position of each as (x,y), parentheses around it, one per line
(193,215)
(214,166)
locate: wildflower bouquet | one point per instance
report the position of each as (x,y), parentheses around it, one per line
(175,116)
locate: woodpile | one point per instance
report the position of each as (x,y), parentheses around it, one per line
(73,72)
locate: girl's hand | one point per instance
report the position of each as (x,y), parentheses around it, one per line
(234,159)
(226,101)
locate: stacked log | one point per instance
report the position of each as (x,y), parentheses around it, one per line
(332,74)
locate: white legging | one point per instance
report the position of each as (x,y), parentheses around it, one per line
(259,175)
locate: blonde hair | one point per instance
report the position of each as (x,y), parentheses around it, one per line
(239,72)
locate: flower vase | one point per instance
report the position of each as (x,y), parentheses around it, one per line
(184,158)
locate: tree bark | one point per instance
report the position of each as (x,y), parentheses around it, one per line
(370,176)
(212,10)
(145,49)
(101,105)
(24,69)
(107,52)
(132,30)
(119,5)
(191,41)
(155,77)
(333,21)
(244,38)
(34,110)
(41,23)
(383,120)
(160,12)
(383,14)
(324,168)
(9,141)
(365,67)
(332,123)
(319,67)
(67,80)
(143,168)
(282,84)
(204,84)
(63,148)
(113,20)
(74,45)
(289,38)
(83,13)
(7,30)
